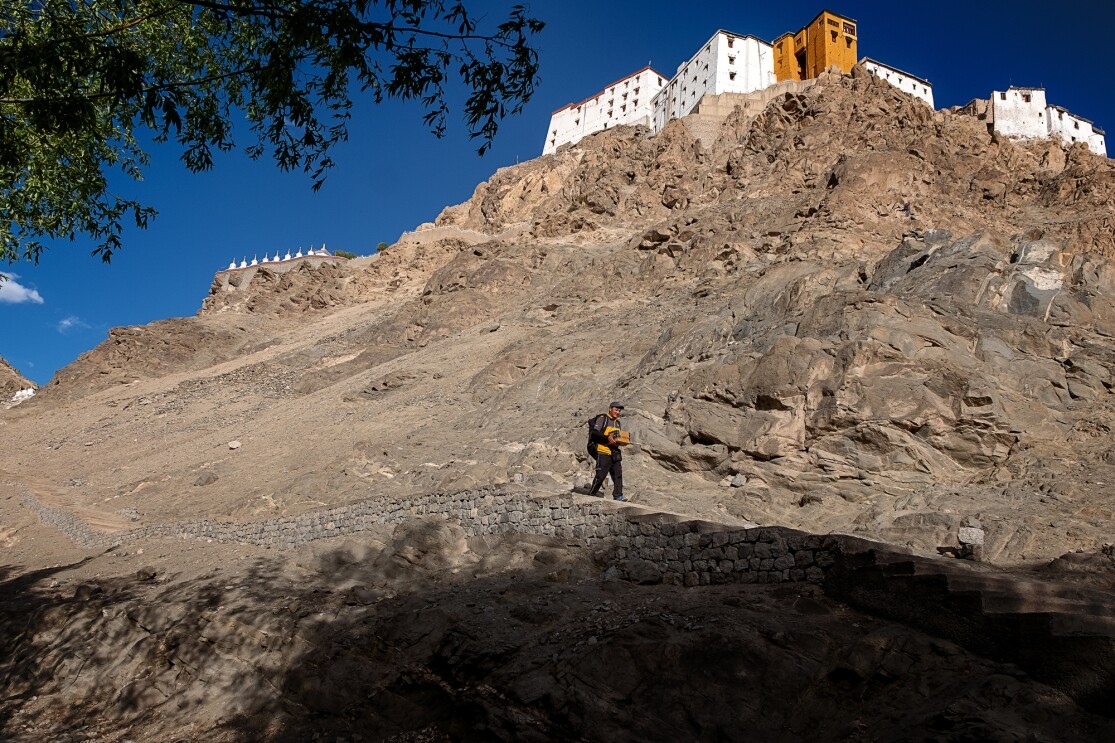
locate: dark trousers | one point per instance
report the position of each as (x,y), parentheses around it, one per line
(606,464)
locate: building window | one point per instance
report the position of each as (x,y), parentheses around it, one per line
(731,75)
(1076,125)
(1026,97)
(731,60)
(636,103)
(731,42)
(1002,96)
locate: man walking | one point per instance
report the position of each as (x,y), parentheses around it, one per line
(604,432)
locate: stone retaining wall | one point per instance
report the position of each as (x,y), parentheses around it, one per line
(645,546)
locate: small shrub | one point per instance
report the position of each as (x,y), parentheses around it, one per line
(381,247)
(344,254)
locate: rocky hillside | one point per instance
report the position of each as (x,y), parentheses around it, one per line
(862,314)
(11,381)
(845,313)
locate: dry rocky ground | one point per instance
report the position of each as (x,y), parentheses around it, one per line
(848,313)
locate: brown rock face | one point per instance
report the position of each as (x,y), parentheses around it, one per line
(11,381)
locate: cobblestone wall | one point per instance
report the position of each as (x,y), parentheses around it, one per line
(645,546)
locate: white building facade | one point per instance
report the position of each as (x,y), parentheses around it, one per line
(1025,114)
(726,63)
(1071,128)
(1020,112)
(904,81)
(625,102)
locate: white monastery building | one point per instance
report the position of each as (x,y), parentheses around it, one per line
(1024,113)
(727,63)
(904,81)
(626,101)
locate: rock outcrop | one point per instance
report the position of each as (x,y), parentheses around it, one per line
(11,381)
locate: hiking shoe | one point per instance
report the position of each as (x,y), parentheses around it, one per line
(619,497)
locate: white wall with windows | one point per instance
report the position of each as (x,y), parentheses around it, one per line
(1024,113)
(1071,129)
(726,63)
(625,102)
(904,81)
(1020,112)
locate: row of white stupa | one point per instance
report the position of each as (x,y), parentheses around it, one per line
(320,252)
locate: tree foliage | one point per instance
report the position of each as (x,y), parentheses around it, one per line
(84,82)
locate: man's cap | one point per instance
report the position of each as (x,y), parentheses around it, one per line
(616,405)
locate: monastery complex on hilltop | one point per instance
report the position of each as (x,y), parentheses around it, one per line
(734,64)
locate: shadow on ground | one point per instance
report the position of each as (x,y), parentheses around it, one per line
(426,635)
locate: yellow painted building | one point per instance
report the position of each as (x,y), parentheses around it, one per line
(828,40)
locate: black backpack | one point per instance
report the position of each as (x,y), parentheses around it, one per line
(591,446)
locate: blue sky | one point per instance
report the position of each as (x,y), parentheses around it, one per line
(393,175)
